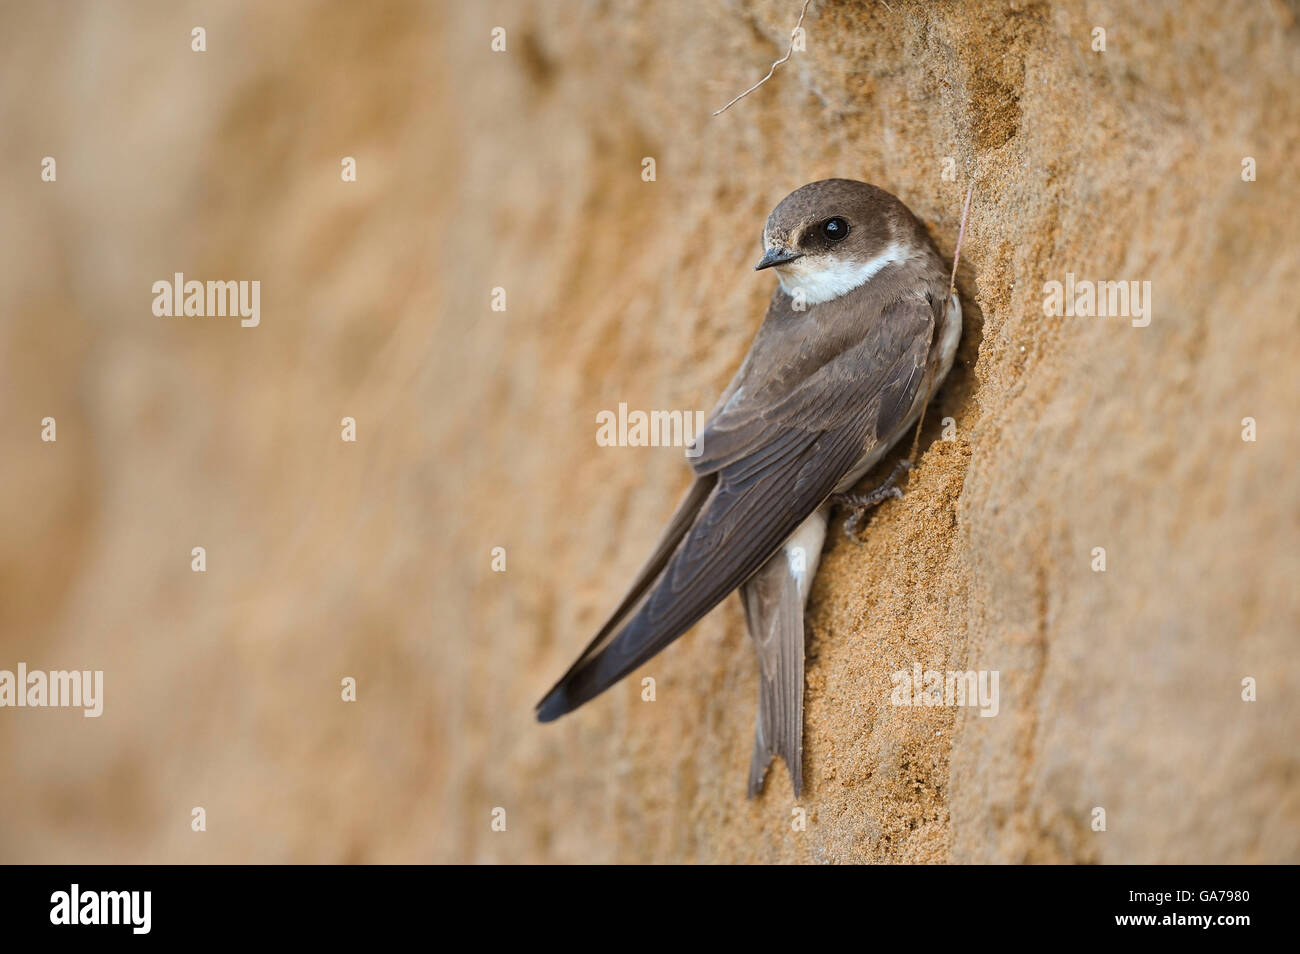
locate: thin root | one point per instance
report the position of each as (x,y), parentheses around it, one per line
(774,65)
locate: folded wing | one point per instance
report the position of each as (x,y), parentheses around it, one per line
(766,464)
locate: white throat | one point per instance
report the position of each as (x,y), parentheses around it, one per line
(823,277)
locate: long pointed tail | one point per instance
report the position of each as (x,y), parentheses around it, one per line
(775,613)
(774,601)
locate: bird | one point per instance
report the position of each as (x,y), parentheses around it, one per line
(860,332)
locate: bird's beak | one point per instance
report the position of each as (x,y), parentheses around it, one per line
(777,256)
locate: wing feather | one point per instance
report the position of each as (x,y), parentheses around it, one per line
(773,458)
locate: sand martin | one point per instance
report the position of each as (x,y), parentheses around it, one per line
(859,334)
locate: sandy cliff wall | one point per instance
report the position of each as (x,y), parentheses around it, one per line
(522,170)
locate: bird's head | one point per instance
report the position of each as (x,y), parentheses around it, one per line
(828,237)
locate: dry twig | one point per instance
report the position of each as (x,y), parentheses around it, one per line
(952,284)
(793,33)
(961,232)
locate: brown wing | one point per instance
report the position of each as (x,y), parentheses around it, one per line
(681,521)
(773,459)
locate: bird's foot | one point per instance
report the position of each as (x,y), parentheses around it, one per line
(861,503)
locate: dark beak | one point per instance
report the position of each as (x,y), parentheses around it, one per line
(777,256)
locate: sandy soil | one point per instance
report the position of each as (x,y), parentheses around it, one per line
(522,170)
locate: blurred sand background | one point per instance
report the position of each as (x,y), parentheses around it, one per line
(476,429)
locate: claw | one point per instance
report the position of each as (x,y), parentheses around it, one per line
(861,503)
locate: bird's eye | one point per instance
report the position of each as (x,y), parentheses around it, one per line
(835,230)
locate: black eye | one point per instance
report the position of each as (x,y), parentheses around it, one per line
(835,229)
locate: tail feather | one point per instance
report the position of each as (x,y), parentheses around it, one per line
(774,609)
(774,601)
